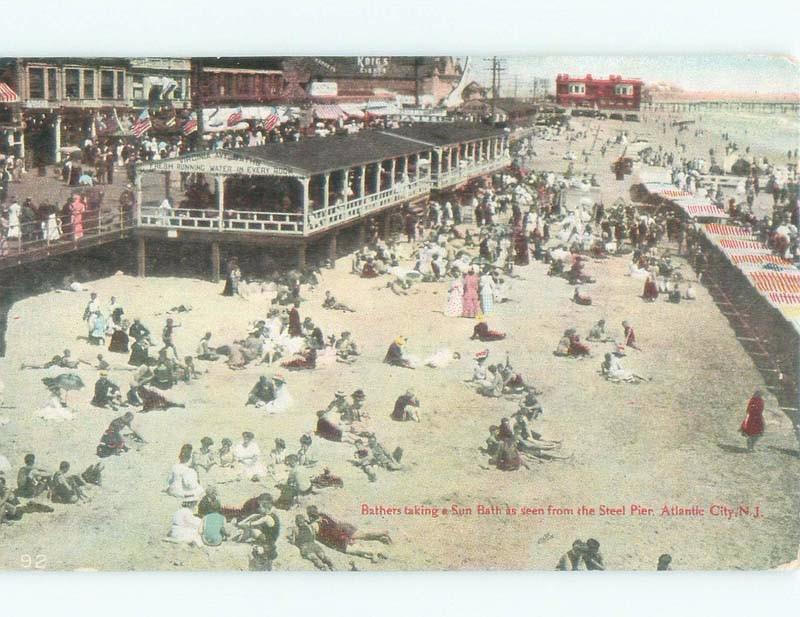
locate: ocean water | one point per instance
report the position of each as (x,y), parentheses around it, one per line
(767,134)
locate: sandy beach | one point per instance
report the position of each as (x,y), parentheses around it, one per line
(671,441)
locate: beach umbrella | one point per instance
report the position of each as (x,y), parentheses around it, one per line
(66,381)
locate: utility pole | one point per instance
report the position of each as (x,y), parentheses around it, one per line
(197,95)
(417,64)
(497,68)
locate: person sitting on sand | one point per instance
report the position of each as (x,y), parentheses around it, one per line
(184,482)
(106,393)
(248,458)
(304,538)
(346,348)
(577,349)
(297,484)
(396,355)
(483,333)
(262,527)
(341,536)
(215,530)
(204,458)
(562,349)
(369,270)
(592,557)
(581,298)
(63,361)
(331,304)
(31,480)
(573,558)
(650,292)
(598,332)
(205,351)
(185,527)
(64,488)
(612,370)
(10,509)
(630,336)
(406,407)
(112,441)
(690,293)
(262,393)
(305,359)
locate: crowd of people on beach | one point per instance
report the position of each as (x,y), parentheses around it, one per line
(474,244)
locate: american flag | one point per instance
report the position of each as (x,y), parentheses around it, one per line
(270,122)
(190,126)
(142,124)
(235,118)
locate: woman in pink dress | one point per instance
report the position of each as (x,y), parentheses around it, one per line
(76,208)
(471,303)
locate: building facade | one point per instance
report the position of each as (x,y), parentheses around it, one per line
(65,100)
(614,93)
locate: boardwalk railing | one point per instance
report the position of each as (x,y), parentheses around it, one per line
(343,212)
(283,223)
(56,233)
(468,171)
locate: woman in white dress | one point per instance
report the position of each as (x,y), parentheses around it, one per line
(52,227)
(13,220)
(487,293)
(455,299)
(248,458)
(282,400)
(183,480)
(185,527)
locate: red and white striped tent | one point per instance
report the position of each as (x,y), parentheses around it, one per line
(736,243)
(667,191)
(7,94)
(717,229)
(699,208)
(782,282)
(784,298)
(741,259)
(328,112)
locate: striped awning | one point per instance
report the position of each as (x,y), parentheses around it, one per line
(784,298)
(705,210)
(328,112)
(735,243)
(783,282)
(751,258)
(716,229)
(7,94)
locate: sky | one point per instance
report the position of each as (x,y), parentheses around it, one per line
(727,73)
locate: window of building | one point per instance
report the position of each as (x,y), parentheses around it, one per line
(106,84)
(88,84)
(36,83)
(120,85)
(72,83)
(52,84)
(623,90)
(577,89)
(137,88)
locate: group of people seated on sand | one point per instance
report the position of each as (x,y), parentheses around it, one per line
(511,446)
(497,380)
(34,482)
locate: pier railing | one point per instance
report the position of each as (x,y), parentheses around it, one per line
(283,223)
(57,232)
(466,172)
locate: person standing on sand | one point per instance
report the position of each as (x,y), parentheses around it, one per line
(753,424)
(471,302)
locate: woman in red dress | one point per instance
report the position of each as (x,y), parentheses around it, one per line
(753,424)
(471,302)
(650,292)
(341,536)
